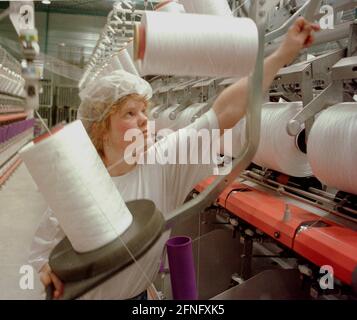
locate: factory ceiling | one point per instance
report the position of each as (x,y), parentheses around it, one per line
(82,7)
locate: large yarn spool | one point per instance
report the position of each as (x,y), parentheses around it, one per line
(78,188)
(212,7)
(170,6)
(278,150)
(195,45)
(127,62)
(183,118)
(332,148)
(160,118)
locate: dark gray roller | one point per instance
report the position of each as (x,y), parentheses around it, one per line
(81,272)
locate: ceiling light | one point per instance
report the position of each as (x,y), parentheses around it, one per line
(46,1)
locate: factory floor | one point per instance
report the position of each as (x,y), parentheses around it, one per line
(21,208)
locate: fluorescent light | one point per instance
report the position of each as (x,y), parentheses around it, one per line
(46,1)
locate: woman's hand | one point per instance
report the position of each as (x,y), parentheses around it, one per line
(299,36)
(47,278)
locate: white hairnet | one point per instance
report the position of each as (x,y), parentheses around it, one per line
(99,95)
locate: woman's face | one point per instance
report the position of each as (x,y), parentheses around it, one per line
(132,115)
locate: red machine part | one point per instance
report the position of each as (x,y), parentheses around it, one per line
(332,245)
(335,246)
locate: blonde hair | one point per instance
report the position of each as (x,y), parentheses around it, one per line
(100,128)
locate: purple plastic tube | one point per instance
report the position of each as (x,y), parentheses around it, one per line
(5,128)
(2,135)
(182,268)
(10,132)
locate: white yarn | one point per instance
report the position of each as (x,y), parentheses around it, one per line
(198,45)
(277,150)
(127,62)
(332,147)
(161,121)
(171,6)
(78,188)
(212,7)
(183,119)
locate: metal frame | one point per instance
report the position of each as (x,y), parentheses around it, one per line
(339,69)
(304,74)
(111,38)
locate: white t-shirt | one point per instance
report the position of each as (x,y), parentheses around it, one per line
(167,185)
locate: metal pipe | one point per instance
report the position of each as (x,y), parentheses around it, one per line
(310,198)
(282,30)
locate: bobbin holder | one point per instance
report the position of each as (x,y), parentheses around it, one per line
(81,272)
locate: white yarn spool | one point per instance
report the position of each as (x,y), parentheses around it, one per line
(163,121)
(195,45)
(277,150)
(212,7)
(170,6)
(332,149)
(127,62)
(78,188)
(183,118)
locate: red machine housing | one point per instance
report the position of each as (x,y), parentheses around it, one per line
(330,244)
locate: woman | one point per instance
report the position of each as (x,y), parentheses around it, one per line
(116,104)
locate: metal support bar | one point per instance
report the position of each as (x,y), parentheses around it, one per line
(247,258)
(311,9)
(187,84)
(322,65)
(352,44)
(345,69)
(293,74)
(307,96)
(308,6)
(328,97)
